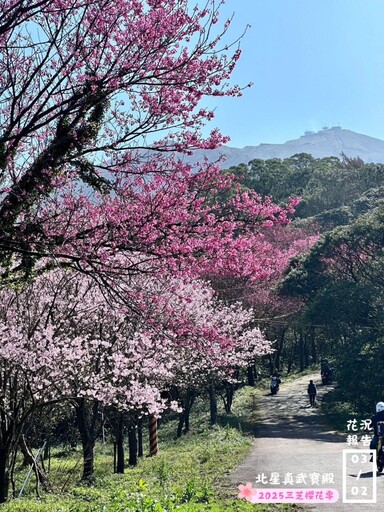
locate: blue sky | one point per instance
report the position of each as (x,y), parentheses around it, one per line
(313,63)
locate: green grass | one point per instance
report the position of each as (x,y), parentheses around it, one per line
(297,373)
(188,474)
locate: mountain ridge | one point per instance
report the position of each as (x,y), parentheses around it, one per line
(326,142)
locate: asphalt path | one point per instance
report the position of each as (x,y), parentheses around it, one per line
(295,448)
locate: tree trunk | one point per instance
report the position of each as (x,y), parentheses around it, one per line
(301,351)
(187,417)
(132,440)
(212,404)
(47,450)
(229,392)
(180,424)
(306,351)
(86,423)
(88,460)
(153,435)
(4,475)
(279,345)
(313,346)
(120,443)
(190,399)
(184,416)
(140,438)
(251,375)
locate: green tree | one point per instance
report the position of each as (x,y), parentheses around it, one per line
(342,280)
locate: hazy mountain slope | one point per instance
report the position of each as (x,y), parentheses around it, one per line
(327,142)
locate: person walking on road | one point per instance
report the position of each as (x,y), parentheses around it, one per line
(377,419)
(312,392)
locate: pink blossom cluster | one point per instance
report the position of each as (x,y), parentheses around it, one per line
(87,115)
(62,338)
(165,218)
(150,62)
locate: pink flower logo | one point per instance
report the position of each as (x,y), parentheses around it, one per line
(246,491)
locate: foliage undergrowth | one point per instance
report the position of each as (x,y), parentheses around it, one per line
(338,409)
(188,474)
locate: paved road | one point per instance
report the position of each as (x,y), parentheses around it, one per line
(302,451)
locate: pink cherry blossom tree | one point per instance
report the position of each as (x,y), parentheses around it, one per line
(93,96)
(63,339)
(87,88)
(213,340)
(274,313)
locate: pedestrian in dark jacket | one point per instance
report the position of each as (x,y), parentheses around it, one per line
(378,418)
(312,392)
